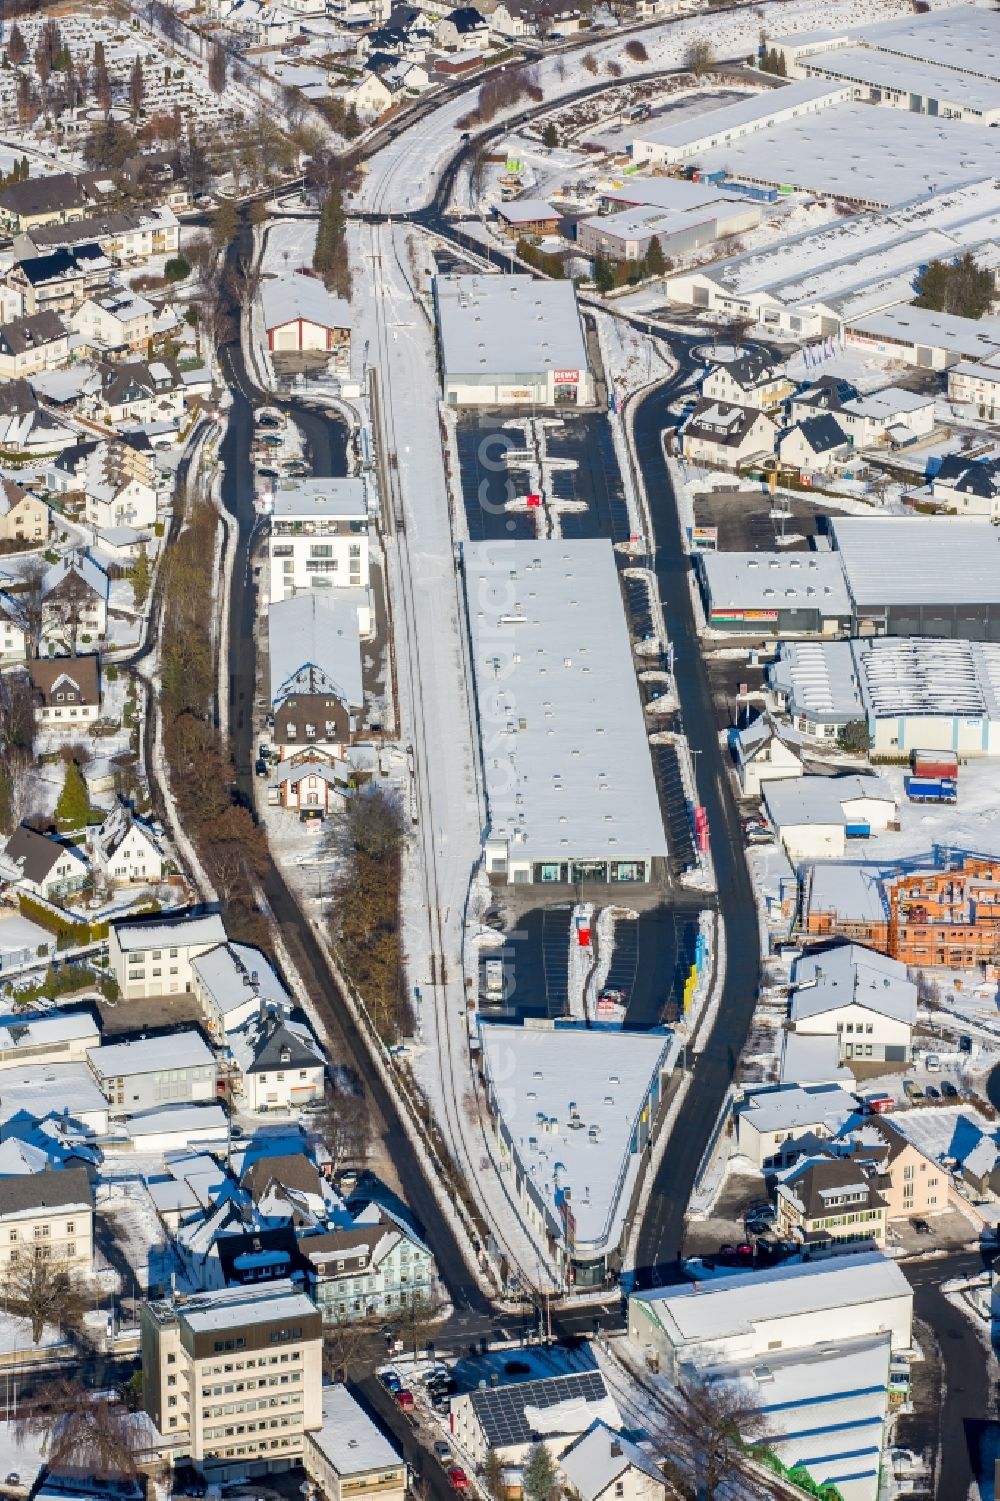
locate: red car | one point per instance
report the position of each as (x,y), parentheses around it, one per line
(458,1478)
(404,1399)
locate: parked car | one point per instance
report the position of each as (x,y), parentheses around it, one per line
(932,1093)
(921,1227)
(965,1043)
(912,1091)
(390,1380)
(932,1063)
(442,1451)
(760,1217)
(948,1090)
(404,1399)
(260,767)
(458,1478)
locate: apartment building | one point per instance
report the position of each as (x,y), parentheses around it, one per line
(350,1456)
(49,1215)
(155,958)
(233,1379)
(319,536)
(832,1203)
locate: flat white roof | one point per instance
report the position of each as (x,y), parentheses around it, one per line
(819,679)
(879,156)
(314,647)
(796,802)
(234,1306)
(50,1089)
(648,219)
(924,675)
(349,1439)
(150,1055)
(184,932)
(540,1076)
(965,39)
(911,325)
(287,298)
(526,210)
(17,932)
(912,76)
(323,495)
(850,889)
(189,1121)
(910,560)
(233,973)
(675,193)
(734,1305)
(776,581)
(812,1059)
(506,325)
(566,755)
(28,1032)
(889,402)
(795,1107)
(688,131)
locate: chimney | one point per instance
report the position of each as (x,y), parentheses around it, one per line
(616,1449)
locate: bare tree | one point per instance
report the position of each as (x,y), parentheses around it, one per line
(31,601)
(44,1291)
(709,1429)
(350,1346)
(344,1127)
(217,68)
(699,58)
(415,1320)
(90,1432)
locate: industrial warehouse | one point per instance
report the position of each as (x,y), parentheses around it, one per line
(885,575)
(569,780)
(511,341)
(913,692)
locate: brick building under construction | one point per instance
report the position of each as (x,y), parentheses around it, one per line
(946,916)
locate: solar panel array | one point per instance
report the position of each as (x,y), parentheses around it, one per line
(500,1409)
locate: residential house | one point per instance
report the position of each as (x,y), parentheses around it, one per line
(153,956)
(61,281)
(725,435)
(832,1204)
(978,384)
(862,997)
(319,538)
(316,687)
(969,486)
(49,868)
(371,97)
(48,1215)
(509,1419)
(349,1458)
(232,981)
(604,1465)
(114,499)
(956,1139)
(142,1073)
(278,1063)
(26,427)
(766,752)
(23,517)
(815,816)
(527,216)
(126,851)
(27,345)
(122,458)
(750,380)
(138,391)
(13,637)
(301,316)
(515,18)
(368,1268)
(892,417)
(128,238)
(817,445)
(308,780)
(74,604)
(67,691)
(44,200)
(253,1256)
(117,320)
(288,1188)
(464,27)
(828,394)
(776,1124)
(912,1183)
(264,1333)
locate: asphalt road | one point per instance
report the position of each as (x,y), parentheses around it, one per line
(662,1230)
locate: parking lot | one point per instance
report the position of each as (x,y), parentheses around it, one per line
(675,805)
(535,959)
(640,609)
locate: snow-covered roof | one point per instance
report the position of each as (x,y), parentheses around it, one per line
(948,1131)
(667,192)
(688,131)
(909,325)
(797,801)
(909,560)
(911,76)
(349,1439)
(237,1307)
(730,1306)
(817,679)
(567,763)
(854,891)
(233,973)
(599,1456)
(776,581)
(148,1055)
(794,1107)
(335,497)
(315,647)
(963,38)
(45,1089)
(23,1035)
(526,211)
(292,297)
(570,1104)
(17,933)
(889,403)
(881,157)
(182,932)
(927,675)
(808,1059)
(852,975)
(190,1122)
(506,325)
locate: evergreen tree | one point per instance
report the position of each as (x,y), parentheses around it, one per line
(604,276)
(493,1475)
(933,286)
(141,577)
(779,65)
(225,223)
(136,88)
(655,262)
(539,1474)
(17,49)
(551,137)
(73,807)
